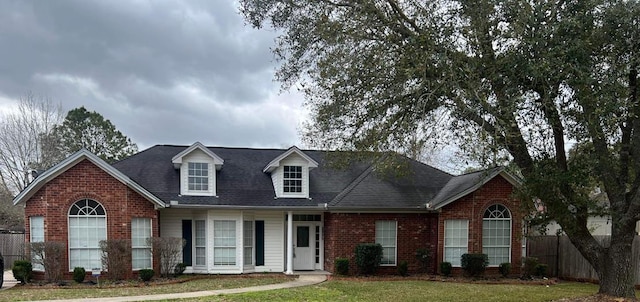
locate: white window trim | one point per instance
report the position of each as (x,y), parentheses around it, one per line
(210,180)
(36,267)
(235,244)
(395,243)
(253,243)
(510,234)
(106,224)
(444,243)
(147,245)
(196,246)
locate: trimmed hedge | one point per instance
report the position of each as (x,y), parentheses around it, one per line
(474,264)
(342,266)
(146,274)
(505,269)
(22,270)
(403,268)
(445,268)
(368,257)
(79,274)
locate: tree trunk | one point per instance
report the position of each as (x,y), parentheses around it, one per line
(617,275)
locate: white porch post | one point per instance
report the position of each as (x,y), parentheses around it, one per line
(289,243)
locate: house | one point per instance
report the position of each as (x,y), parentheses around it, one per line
(244,210)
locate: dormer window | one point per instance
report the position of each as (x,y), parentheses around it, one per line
(292,180)
(198,177)
(198,166)
(290,173)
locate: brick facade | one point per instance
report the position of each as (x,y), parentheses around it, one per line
(86,180)
(344,231)
(472,207)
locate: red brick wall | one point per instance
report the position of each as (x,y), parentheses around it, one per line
(472,207)
(86,180)
(344,231)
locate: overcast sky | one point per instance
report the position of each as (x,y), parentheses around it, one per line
(164,72)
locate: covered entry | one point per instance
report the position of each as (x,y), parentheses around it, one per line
(304,249)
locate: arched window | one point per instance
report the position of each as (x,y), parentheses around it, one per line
(496,234)
(87,226)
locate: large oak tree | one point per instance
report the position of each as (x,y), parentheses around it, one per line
(524,78)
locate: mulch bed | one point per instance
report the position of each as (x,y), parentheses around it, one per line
(455,279)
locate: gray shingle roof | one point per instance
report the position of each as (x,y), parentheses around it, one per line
(242,182)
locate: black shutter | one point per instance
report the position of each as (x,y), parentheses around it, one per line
(187,235)
(259,242)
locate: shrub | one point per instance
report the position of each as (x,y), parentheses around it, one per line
(505,269)
(474,264)
(445,268)
(49,255)
(146,274)
(116,257)
(342,266)
(403,268)
(541,270)
(529,267)
(368,257)
(180,268)
(168,250)
(78,274)
(22,270)
(424,257)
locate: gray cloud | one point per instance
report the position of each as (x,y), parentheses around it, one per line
(162,71)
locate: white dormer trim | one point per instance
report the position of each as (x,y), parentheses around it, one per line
(217,160)
(205,159)
(275,163)
(296,158)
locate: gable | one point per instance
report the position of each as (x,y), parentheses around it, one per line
(97,163)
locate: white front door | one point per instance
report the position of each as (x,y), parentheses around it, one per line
(303,247)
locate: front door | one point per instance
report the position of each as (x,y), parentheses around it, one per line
(303,257)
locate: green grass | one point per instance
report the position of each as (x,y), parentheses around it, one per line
(19,293)
(396,291)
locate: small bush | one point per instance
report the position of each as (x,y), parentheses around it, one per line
(146,274)
(368,257)
(49,256)
(180,268)
(474,264)
(168,251)
(541,270)
(78,274)
(22,270)
(342,266)
(529,267)
(403,268)
(424,257)
(505,269)
(445,268)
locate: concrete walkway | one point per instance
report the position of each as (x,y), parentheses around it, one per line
(9,281)
(303,280)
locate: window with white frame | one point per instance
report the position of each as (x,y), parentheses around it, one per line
(248,242)
(36,234)
(456,240)
(224,242)
(386,235)
(201,243)
(87,226)
(140,245)
(198,176)
(292,180)
(496,234)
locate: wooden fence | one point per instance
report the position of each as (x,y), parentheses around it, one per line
(565,261)
(12,248)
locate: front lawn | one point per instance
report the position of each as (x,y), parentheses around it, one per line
(32,292)
(396,291)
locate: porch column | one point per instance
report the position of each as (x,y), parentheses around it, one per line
(289,243)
